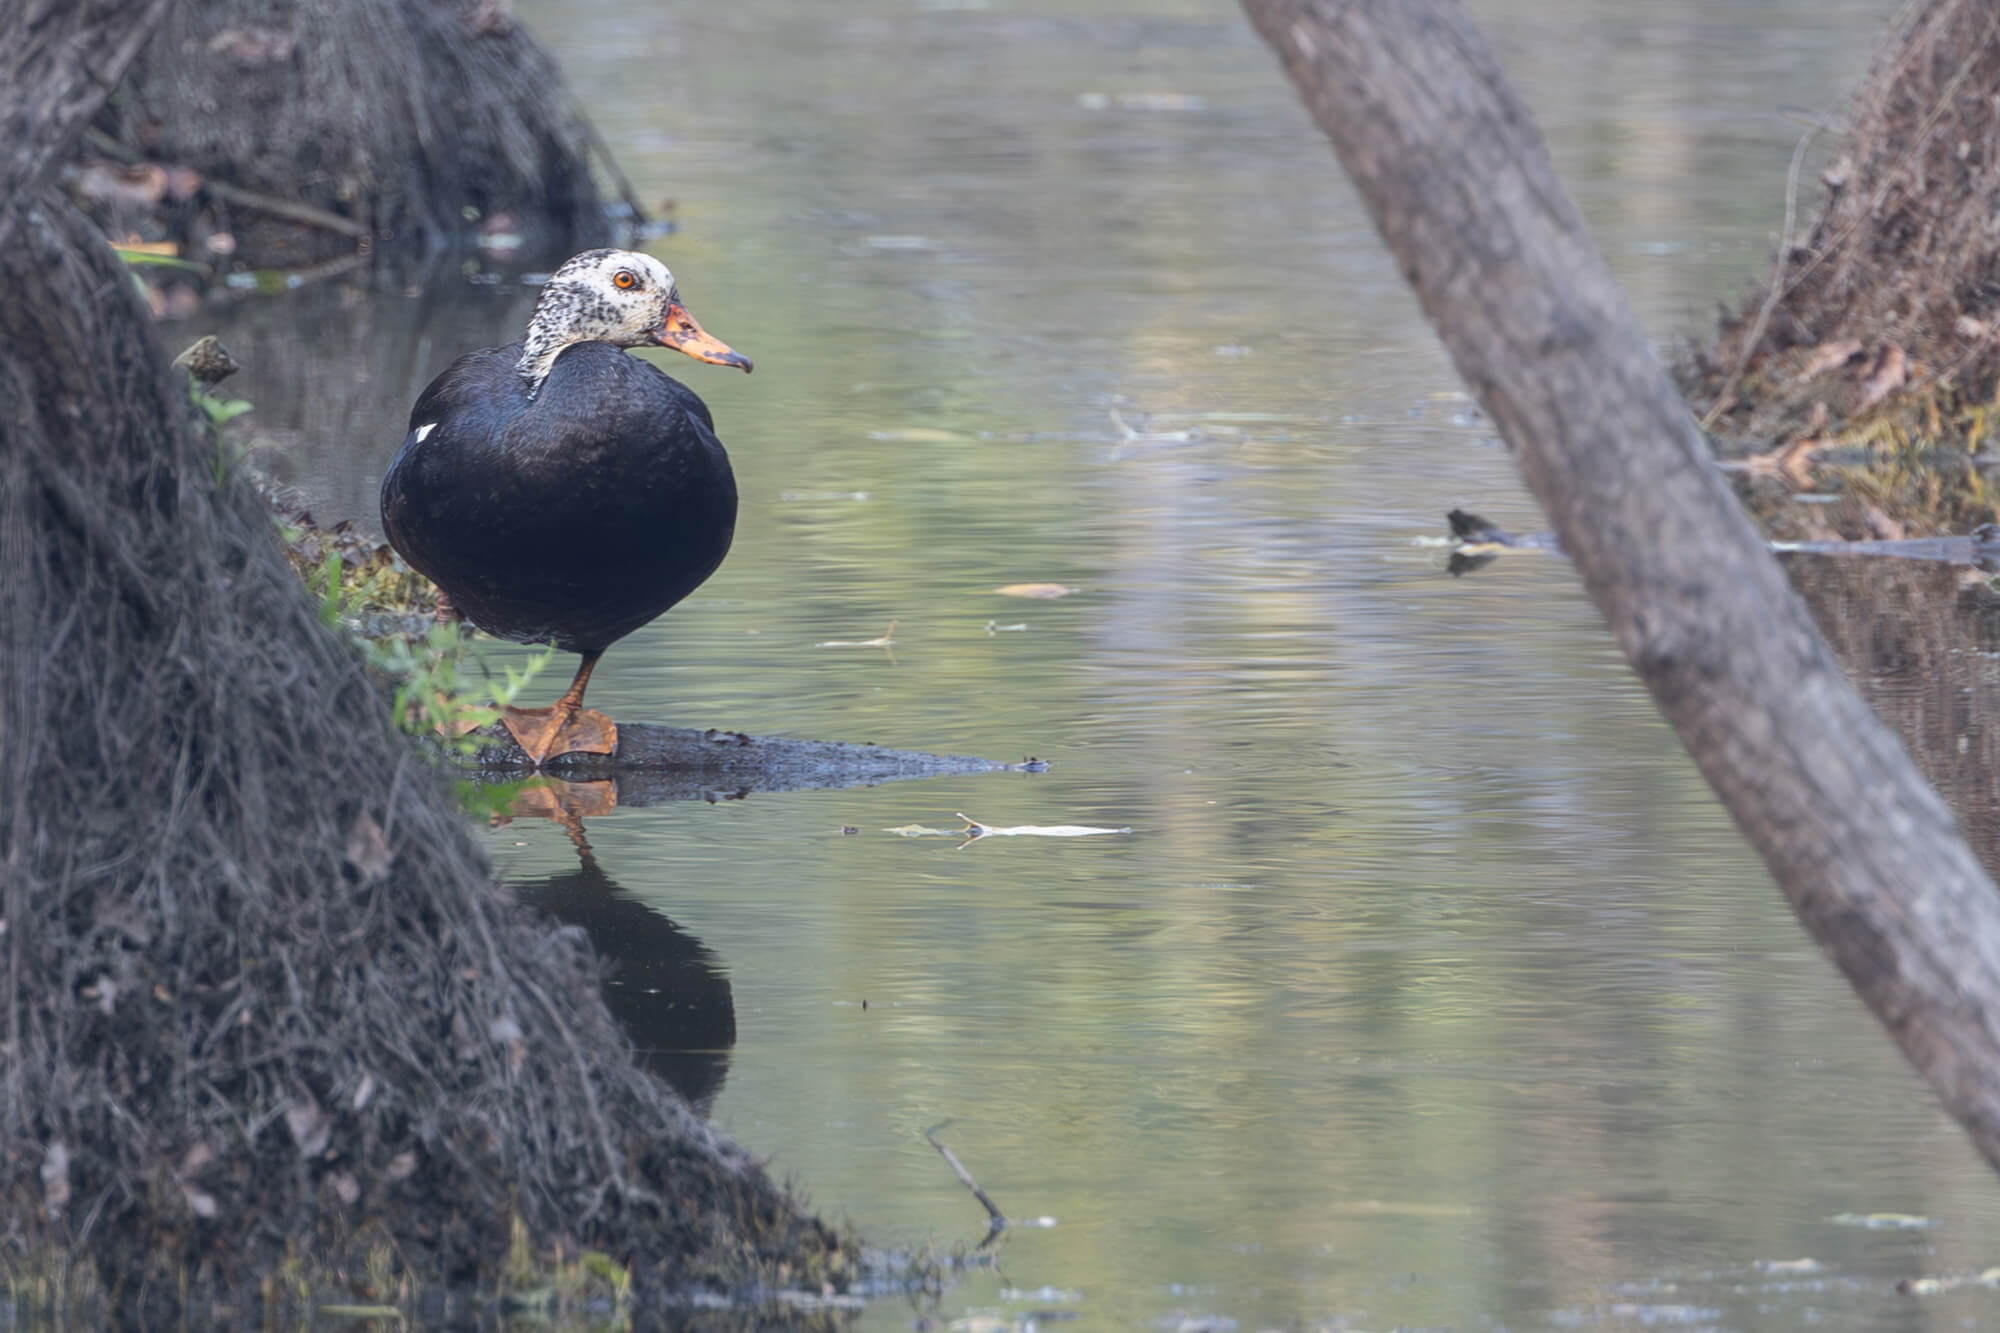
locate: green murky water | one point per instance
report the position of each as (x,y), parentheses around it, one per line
(1430,987)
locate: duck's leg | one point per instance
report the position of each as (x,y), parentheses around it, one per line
(566,726)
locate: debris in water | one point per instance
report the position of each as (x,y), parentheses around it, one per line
(1882,1221)
(1789,1266)
(1047,592)
(974,830)
(920,435)
(888,640)
(1096,101)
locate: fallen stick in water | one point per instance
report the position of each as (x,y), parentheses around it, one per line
(997,1220)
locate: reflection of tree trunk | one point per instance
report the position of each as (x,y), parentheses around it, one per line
(1922,642)
(413,117)
(259,987)
(1460,186)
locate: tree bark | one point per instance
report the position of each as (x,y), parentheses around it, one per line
(52,80)
(1461,188)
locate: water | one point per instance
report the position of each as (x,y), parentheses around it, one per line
(1430,987)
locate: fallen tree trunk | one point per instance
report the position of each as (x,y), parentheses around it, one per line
(1460,186)
(262,996)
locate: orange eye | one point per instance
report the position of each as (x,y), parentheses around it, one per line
(624,280)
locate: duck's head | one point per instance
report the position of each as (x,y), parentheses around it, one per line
(619,297)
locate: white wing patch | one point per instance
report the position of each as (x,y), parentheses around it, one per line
(423,431)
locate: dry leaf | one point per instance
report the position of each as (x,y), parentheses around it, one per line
(1045,591)
(200,1202)
(55,1179)
(346,1186)
(164,249)
(1892,369)
(195,1159)
(1831,356)
(253,46)
(920,435)
(364,1092)
(105,991)
(310,1126)
(368,850)
(402,1166)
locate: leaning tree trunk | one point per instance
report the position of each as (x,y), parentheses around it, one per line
(260,988)
(412,119)
(1460,185)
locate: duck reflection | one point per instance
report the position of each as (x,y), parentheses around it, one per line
(664,986)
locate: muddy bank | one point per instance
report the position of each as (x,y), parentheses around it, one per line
(254,136)
(1869,362)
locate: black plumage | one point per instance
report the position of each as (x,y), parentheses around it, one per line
(558,490)
(571,516)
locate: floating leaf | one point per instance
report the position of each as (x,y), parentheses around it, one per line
(1882,1221)
(1045,591)
(920,435)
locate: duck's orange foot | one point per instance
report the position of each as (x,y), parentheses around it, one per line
(544,733)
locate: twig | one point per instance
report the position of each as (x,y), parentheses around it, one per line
(1777,292)
(997,1220)
(285,208)
(1881,195)
(625,190)
(236,194)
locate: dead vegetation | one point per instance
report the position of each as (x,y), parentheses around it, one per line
(263,997)
(1871,363)
(278,134)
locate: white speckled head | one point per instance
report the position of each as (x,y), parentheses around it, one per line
(607,296)
(619,297)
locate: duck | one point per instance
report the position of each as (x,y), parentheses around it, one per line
(558,490)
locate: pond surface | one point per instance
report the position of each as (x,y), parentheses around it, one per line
(1429,987)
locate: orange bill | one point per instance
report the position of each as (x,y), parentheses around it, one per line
(681,333)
